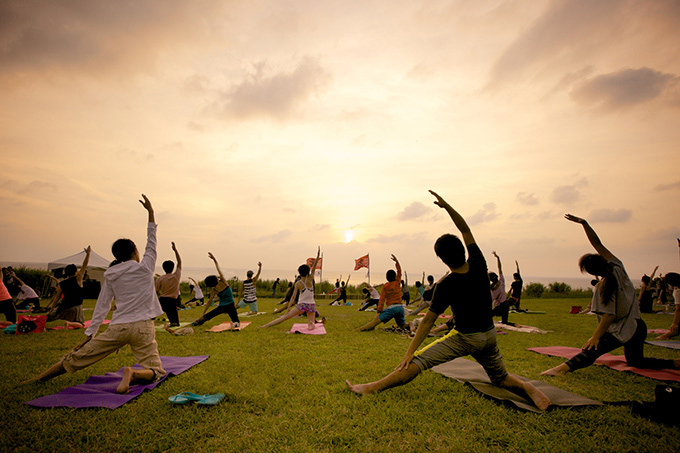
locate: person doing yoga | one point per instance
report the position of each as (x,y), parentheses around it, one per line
(466,291)
(617,310)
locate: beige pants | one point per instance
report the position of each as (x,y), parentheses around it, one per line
(140,335)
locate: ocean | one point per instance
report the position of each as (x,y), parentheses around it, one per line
(199,273)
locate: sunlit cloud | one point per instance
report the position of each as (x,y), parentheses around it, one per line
(275,238)
(670,186)
(413,211)
(265,93)
(611,215)
(527,199)
(484,215)
(568,194)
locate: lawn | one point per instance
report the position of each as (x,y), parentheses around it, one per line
(286,393)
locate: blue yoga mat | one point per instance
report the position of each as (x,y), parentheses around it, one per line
(100,391)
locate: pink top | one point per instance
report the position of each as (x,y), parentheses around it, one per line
(168,285)
(4,294)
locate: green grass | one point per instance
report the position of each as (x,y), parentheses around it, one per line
(286,393)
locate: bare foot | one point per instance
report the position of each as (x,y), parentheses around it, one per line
(539,398)
(559,370)
(310,326)
(124,385)
(73,325)
(359,389)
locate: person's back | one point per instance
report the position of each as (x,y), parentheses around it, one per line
(467,294)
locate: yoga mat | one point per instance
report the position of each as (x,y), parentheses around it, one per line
(528,312)
(657,331)
(520,328)
(469,372)
(615,362)
(100,391)
(86,324)
(665,344)
(226,326)
(181,324)
(319,329)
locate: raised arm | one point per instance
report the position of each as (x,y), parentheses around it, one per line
(147,205)
(457,219)
(219,271)
(517,265)
(592,237)
(653,273)
(83,268)
(316,260)
(259,269)
(498,260)
(398,266)
(179,260)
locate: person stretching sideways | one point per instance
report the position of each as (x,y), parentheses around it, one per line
(466,290)
(130,282)
(219,287)
(168,288)
(617,310)
(389,304)
(306,303)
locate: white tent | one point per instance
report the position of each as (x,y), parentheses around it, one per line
(97,262)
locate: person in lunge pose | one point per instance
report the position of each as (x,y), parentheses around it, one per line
(673,279)
(371,297)
(196,293)
(248,291)
(130,282)
(168,288)
(305,304)
(219,287)
(389,304)
(500,303)
(617,310)
(70,308)
(466,290)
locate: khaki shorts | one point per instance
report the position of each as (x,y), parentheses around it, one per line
(140,335)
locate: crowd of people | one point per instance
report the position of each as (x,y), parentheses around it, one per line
(136,297)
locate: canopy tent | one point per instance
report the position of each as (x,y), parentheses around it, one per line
(96,262)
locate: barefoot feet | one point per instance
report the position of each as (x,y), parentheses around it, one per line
(539,398)
(559,370)
(124,385)
(359,389)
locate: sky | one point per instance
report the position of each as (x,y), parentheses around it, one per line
(263,129)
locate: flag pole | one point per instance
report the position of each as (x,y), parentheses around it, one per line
(321,270)
(369,269)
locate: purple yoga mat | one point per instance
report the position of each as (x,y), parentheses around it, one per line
(100,391)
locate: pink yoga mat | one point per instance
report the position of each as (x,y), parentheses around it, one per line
(86,324)
(615,362)
(319,329)
(226,326)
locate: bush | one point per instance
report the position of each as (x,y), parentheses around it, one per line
(534,290)
(559,288)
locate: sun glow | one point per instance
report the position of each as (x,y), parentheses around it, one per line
(349,235)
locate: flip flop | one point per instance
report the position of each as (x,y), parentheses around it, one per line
(185,397)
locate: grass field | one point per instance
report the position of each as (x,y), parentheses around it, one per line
(287,393)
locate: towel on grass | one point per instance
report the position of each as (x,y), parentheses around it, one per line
(319,329)
(615,362)
(469,372)
(226,326)
(100,391)
(520,328)
(86,324)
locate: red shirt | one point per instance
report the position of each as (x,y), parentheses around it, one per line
(391,292)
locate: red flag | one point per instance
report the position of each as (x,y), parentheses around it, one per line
(361,262)
(310,261)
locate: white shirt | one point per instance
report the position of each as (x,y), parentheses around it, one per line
(131,285)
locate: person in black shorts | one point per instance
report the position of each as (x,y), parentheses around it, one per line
(466,291)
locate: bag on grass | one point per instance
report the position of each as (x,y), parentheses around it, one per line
(30,324)
(575,310)
(665,407)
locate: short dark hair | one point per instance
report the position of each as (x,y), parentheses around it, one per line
(673,279)
(211,281)
(430,278)
(516,276)
(123,249)
(450,249)
(418,284)
(493,277)
(391,275)
(645,279)
(249,274)
(303,270)
(70,270)
(168,266)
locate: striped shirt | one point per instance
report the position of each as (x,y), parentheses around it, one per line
(249,293)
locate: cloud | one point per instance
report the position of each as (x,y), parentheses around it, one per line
(567,194)
(413,211)
(625,88)
(382,239)
(95,35)
(611,215)
(276,237)
(527,199)
(670,186)
(486,214)
(273,95)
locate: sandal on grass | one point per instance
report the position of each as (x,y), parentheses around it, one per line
(185,397)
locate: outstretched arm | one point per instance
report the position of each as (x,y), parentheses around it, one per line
(653,273)
(219,271)
(517,264)
(179,260)
(83,268)
(259,269)
(147,205)
(592,237)
(498,260)
(457,219)
(316,260)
